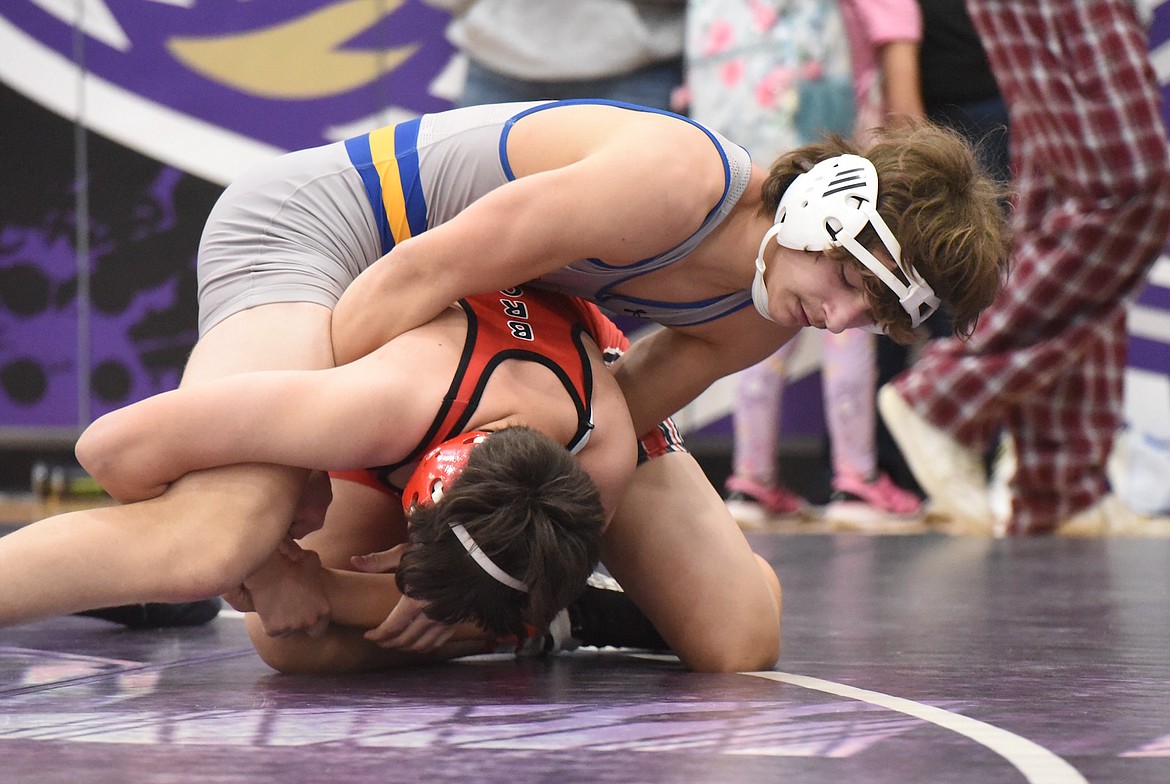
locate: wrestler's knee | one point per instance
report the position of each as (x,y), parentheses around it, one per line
(208,542)
(772,580)
(747,637)
(281,654)
(746,649)
(196,567)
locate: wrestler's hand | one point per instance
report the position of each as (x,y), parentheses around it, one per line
(408,627)
(240,599)
(286,593)
(316,496)
(380,562)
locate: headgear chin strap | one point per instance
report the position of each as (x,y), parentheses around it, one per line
(829,205)
(759,290)
(437,470)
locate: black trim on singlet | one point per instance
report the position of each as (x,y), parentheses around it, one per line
(472,330)
(584,423)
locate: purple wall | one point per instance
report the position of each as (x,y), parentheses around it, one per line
(161,113)
(158,106)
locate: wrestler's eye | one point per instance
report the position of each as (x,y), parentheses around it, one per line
(843,276)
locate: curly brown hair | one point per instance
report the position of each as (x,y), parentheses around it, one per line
(532,509)
(945,210)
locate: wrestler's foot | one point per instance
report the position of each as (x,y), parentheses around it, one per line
(157,616)
(951,474)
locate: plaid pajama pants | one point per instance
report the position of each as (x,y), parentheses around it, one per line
(1092,213)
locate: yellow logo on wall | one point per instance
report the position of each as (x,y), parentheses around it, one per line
(302,58)
(214,87)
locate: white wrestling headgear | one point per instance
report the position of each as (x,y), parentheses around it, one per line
(438,470)
(829,205)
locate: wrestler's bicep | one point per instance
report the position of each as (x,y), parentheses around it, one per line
(616,205)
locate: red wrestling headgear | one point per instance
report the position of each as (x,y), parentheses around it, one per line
(437,470)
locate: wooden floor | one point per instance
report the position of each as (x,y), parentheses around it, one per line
(920,657)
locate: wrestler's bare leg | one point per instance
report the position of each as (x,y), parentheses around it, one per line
(205,533)
(683,560)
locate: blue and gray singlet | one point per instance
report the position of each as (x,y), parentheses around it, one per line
(423,172)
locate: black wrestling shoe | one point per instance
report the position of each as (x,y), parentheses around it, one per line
(603,616)
(158,616)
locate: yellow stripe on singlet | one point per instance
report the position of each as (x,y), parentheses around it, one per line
(385,160)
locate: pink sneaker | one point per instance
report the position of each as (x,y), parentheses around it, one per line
(752,503)
(863,501)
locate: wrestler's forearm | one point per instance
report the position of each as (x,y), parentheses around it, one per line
(364,600)
(341,649)
(662,372)
(384,301)
(357,598)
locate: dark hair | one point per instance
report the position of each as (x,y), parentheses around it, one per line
(532,509)
(943,208)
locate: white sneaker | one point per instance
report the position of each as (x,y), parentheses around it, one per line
(999,494)
(1110,517)
(950,473)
